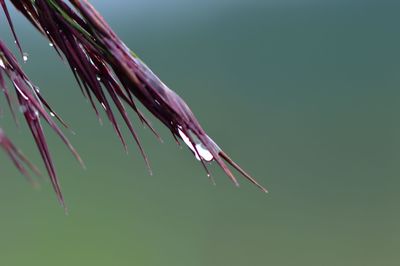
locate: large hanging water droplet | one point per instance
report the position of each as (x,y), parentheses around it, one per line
(204,153)
(198,149)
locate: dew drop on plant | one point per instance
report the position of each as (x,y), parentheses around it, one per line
(51,44)
(201,150)
(2,65)
(52,114)
(204,153)
(98,78)
(25,57)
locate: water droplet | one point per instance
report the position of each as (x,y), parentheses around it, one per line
(2,65)
(51,44)
(204,153)
(52,114)
(25,57)
(98,78)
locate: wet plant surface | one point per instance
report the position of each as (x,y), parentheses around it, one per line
(312,113)
(101,64)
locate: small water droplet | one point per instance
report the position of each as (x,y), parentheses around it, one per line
(98,78)
(25,57)
(52,114)
(2,65)
(51,44)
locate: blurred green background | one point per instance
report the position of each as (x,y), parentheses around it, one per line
(305,95)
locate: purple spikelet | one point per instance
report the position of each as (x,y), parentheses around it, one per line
(109,75)
(32,105)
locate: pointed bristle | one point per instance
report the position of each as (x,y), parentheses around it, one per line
(240,170)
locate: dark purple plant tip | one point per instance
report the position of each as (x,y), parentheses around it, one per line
(109,75)
(18,158)
(32,105)
(4,6)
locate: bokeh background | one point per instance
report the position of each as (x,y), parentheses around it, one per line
(305,95)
